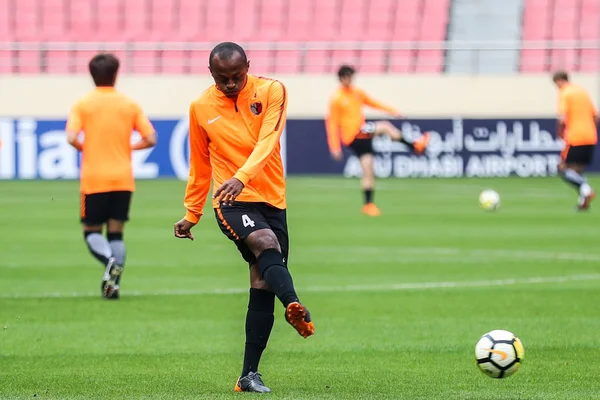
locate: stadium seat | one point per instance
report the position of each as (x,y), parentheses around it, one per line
(564,28)
(432,29)
(300,22)
(190,20)
(289,61)
(272,20)
(536,27)
(324,25)
(6,22)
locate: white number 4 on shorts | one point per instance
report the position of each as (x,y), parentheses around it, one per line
(247,221)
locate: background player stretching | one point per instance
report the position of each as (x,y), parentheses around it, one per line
(346,123)
(235,127)
(577,119)
(107,119)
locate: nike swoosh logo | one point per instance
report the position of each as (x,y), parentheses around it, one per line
(210,121)
(502,354)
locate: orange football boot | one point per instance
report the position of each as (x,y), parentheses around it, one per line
(299,317)
(371,210)
(420,145)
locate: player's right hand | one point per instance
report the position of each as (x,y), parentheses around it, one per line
(182,229)
(337,155)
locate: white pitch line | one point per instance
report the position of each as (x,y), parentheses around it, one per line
(329,289)
(439,255)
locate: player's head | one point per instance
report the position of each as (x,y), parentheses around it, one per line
(228,66)
(104,68)
(560,78)
(345,74)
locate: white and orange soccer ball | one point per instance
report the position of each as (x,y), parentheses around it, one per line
(489,200)
(499,354)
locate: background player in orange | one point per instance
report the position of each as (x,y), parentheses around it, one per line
(345,123)
(577,125)
(235,128)
(107,119)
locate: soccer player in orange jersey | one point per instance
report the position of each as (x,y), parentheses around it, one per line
(107,120)
(235,128)
(577,126)
(345,123)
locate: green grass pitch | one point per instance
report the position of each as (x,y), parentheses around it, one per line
(398,301)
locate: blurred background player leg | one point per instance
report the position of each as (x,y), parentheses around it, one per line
(363,148)
(572,169)
(95,210)
(418,145)
(120,202)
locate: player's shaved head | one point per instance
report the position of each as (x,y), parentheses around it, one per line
(229,65)
(226,51)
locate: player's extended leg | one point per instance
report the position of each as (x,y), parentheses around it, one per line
(271,262)
(367,184)
(259,323)
(572,173)
(387,128)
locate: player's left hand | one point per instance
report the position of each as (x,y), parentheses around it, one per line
(228,191)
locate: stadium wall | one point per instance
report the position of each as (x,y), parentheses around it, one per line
(480,126)
(415,95)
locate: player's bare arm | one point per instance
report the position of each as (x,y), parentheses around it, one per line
(145,142)
(73,139)
(562,126)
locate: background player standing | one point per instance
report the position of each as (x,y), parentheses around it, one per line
(235,128)
(107,119)
(346,123)
(577,119)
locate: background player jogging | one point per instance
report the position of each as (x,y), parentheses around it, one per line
(235,128)
(107,119)
(577,126)
(345,123)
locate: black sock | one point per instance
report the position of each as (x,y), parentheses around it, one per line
(98,246)
(259,322)
(273,270)
(368,196)
(408,143)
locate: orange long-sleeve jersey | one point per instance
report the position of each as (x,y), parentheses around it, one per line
(346,117)
(237,139)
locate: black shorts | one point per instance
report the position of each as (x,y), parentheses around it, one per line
(363,143)
(98,208)
(241,219)
(579,154)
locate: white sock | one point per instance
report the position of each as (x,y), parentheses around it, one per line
(585,189)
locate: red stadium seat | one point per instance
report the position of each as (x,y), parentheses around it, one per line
(300,21)
(536,27)
(6,22)
(272,21)
(100,23)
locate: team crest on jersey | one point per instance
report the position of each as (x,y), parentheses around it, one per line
(256,108)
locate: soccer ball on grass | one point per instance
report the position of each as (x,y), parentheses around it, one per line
(499,354)
(489,200)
